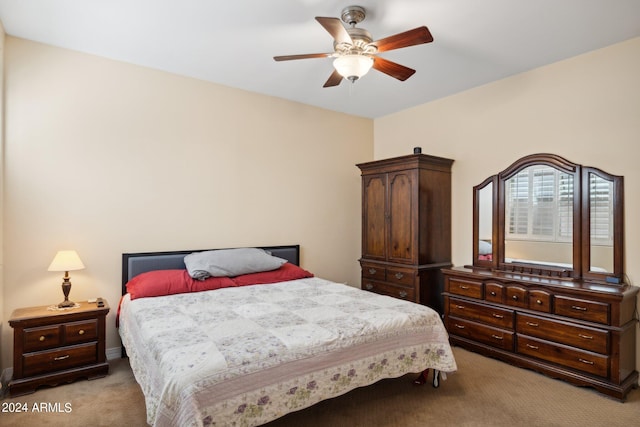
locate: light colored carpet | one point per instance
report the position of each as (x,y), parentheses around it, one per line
(484,392)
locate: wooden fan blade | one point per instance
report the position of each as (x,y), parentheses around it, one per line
(413,37)
(336,29)
(334,79)
(304,56)
(398,71)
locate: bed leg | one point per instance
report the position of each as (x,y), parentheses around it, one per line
(422,378)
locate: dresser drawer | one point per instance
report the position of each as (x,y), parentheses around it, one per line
(582,309)
(42,338)
(540,301)
(566,356)
(401,276)
(373,271)
(59,359)
(481,313)
(79,332)
(494,292)
(494,337)
(402,292)
(591,339)
(467,288)
(517,297)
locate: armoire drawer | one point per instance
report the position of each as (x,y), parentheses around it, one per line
(489,335)
(591,339)
(402,292)
(401,276)
(570,357)
(481,313)
(373,271)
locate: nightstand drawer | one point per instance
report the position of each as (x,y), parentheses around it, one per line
(78,332)
(42,338)
(59,359)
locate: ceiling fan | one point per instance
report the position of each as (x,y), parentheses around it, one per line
(355,51)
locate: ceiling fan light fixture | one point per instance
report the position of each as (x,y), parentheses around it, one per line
(353,66)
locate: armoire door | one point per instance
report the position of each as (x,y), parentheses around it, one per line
(402,221)
(374,217)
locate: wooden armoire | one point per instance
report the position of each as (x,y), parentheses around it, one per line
(406,227)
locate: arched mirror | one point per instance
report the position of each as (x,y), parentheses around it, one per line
(550,217)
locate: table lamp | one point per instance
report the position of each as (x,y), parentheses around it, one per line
(66,261)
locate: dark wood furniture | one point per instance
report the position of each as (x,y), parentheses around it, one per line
(406,227)
(52,347)
(571,319)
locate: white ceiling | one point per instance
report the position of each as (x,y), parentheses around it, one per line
(233,42)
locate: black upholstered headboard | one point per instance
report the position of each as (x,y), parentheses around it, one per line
(136,263)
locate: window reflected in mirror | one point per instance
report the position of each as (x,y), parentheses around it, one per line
(601,224)
(539,217)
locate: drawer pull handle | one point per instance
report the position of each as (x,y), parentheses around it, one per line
(534,347)
(586,337)
(577,307)
(369,286)
(464,287)
(81,332)
(402,294)
(461,307)
(497,337)
(372,271)
(588,362)
(535,325)
(539,302)
(42,338)
(66,356)
(459,326)
(399,276)
(493,293)
(497,316)
(515,297)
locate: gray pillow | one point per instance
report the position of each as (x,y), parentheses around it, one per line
(230,262)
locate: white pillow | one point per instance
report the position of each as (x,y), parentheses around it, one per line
(484,247)
(230,262)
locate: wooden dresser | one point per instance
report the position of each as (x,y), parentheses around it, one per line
(51,347)
(406,227)
(584,333)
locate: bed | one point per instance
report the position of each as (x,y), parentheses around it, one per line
(244,354)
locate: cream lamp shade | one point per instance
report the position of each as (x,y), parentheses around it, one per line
(67,260)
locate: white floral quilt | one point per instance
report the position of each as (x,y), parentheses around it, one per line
(244,356)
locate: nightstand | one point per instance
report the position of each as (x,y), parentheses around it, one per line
(52,347)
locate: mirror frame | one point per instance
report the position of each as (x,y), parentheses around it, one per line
(618,227)
(581,222)
(493,263)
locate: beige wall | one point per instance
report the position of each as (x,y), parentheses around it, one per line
(586,109)
(106,157)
